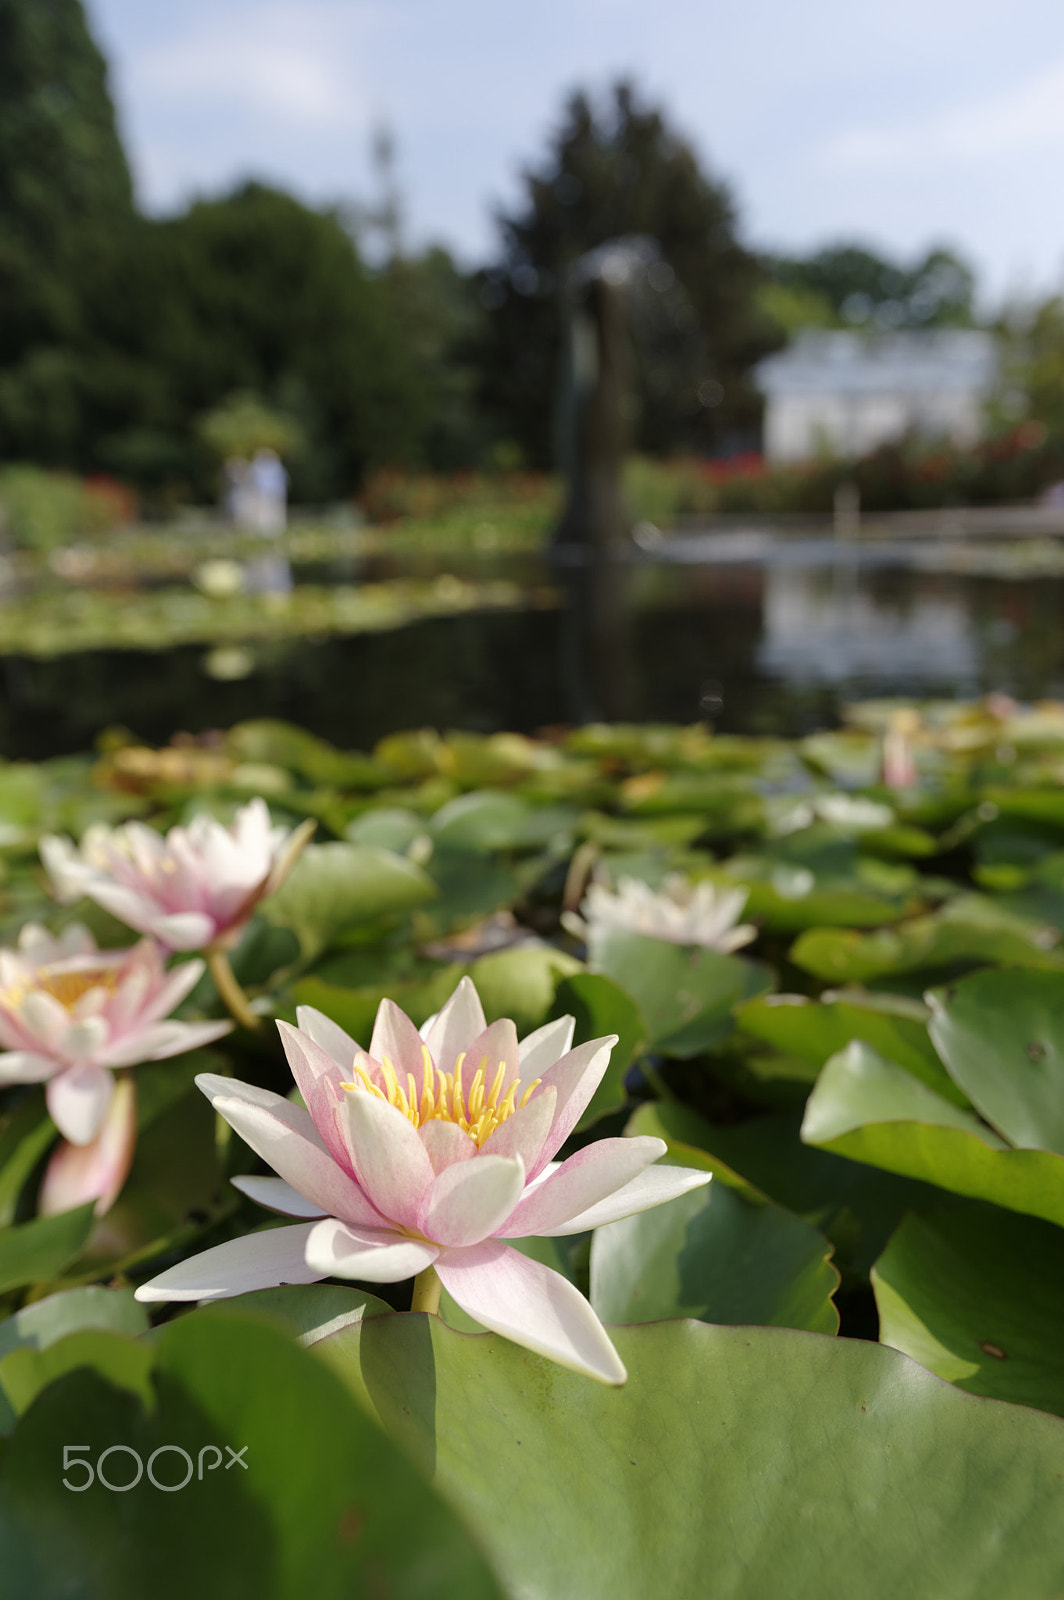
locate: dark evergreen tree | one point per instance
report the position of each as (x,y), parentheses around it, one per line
(66,209)
(612,172)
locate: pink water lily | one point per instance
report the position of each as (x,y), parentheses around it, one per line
(421,1158)
(77,1173)
(69,1013)
(191,888)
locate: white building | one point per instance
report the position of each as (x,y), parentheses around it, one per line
(846,393)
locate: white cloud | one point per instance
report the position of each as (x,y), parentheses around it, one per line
(298,61)
(1026,118)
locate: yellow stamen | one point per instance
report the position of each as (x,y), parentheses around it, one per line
(443,1097)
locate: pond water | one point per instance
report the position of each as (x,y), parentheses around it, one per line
(754,632)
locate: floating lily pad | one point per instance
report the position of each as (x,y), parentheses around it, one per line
(736,1463)
(870,1109)
(719,1255)
(977,1295)
(1001,1034)
(684,992)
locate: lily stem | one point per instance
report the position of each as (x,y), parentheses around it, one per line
(230,991)
(427,1287)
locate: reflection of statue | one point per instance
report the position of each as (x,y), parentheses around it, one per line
(592,538)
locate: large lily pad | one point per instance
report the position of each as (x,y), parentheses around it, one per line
(39,1249)
(321,1505)
(737,1463)
(1001,1034)
(719,1255)
(870,1109)
(932,943)
(814,1030)
(977,1295)
(335,886)
(684,992)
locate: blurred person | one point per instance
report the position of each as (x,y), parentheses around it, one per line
(268,482)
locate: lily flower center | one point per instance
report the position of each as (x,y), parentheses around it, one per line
(65,986)
(443,1097)
(68,987)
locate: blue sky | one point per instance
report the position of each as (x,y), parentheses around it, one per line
(901,122)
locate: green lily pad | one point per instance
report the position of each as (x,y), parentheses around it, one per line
(335,886)
(977,1295)
(25,1135)
(520,983)
(815,1030)
(839,955)
(486,820)
(718,1255)
(684,992)
(600,1007)
(37,1250)
(737,1463)
(1001,1034)
(870,1109)
(856,1206)
(318,1503)
(45,1321)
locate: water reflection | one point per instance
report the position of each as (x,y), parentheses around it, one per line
(758,641)
(819,627)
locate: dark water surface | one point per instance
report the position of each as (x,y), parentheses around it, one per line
(770,641)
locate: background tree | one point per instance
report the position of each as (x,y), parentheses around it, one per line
(850,285)
(619,171)
(66,210)
(254,292)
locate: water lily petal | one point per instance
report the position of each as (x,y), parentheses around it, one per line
(494,1047)
(581,1182)
(78,1173)
(652,1187)
(454,1028)
(276,1195)
(469,1201)
(445,1143)
(540,1050)
(179,982)
(510,1294)
(286,1139)
(328,1036)
(576,1077)
(163,1039)
(182,930)
(257,1261)
(318,1079)
(24,1066)
(524,1133)
(381,1257)
(388,1159)
(395,1039)
(78,1099)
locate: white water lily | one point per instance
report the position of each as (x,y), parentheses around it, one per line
(70,1013)
(192,888)
(680,911)
(421,1158)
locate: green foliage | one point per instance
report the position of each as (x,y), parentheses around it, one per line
(241,425)
(65,212)
(849,283)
